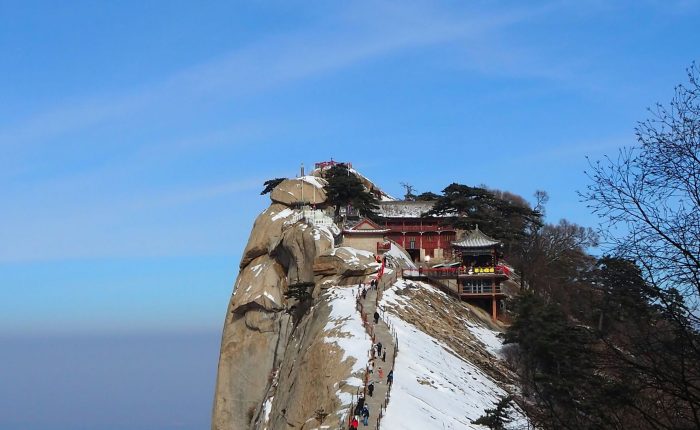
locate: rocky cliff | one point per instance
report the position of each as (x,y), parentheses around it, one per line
(277,367)
(284,364)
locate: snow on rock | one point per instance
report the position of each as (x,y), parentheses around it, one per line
(436,386)
(283,214)
(316,181)
(400,256)
(352,255)
(267,408)
(404,208)
(488,338)
(344,329)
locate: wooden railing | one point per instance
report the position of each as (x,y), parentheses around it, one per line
(383,283)
(419,228)
(453,272)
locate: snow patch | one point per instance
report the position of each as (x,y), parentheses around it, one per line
(257,269)
(344,329)
(313,180)
(400,256)
(434,388)
(284,213)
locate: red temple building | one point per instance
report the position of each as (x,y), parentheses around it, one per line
(424,238)
(478,276)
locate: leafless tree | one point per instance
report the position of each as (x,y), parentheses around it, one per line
(648,198)
(409,195)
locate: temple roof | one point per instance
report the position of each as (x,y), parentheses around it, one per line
(404,208)
(366,226)
(476,239)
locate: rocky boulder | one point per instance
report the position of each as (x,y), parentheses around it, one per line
(346,262)
(305,189)
(267,232)
(261,283)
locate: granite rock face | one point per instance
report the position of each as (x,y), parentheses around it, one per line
(305,189)
(275,369)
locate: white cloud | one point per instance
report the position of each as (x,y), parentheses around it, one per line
(363,33)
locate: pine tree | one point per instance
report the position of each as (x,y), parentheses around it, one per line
(427,196)
(503,215)
(302,292)
(497,417)
(270,185)
(345,188)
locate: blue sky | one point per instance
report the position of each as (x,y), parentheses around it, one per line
(135,136)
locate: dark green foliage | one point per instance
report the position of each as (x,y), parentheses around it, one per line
(498,417)
(270,185)
(559,368)
(650,337)
(635,364)
(625,294)
(502,215)
(345,188)
(302,291)
(427,196)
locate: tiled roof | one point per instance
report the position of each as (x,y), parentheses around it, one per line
(361,227)
(404,209)
(476,239)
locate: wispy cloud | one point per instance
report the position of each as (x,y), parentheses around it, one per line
(372,30)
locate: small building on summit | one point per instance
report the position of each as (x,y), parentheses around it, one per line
(366,235)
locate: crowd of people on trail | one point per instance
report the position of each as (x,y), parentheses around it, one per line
(361,412)
(362,290)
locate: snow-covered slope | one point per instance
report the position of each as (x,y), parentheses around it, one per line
(443,379)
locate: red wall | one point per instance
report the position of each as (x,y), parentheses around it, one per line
(433,235)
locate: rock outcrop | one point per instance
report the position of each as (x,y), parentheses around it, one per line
(275,369)
(307,189)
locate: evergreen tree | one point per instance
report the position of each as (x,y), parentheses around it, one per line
(345,188)
(427,196)
(560,370)
(302,292)
(270,185)
(497,417)
(504,217)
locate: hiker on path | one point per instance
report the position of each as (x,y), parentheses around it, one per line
(390,377)
(379,348)
(370,389)
(384,355)
(376,317)
(360,405)
(365,415)
(354,424)
(381,374)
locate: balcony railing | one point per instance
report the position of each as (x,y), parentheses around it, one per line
(419,228)
(455,272)
(486,289)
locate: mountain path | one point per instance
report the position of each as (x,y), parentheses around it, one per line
(382,334)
